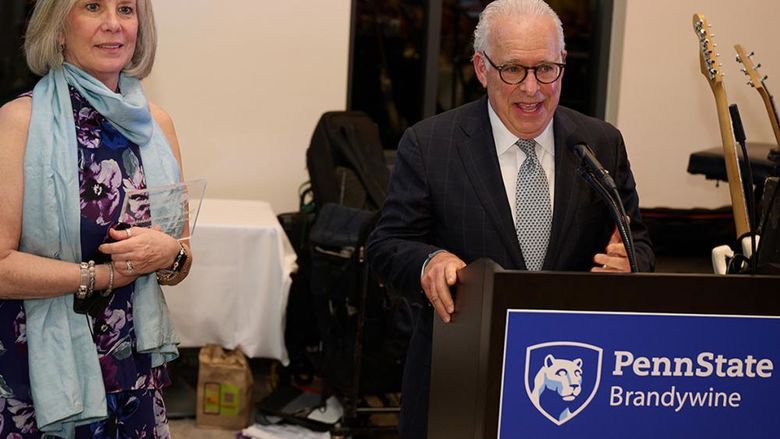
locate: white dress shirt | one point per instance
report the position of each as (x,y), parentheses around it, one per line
(510,157)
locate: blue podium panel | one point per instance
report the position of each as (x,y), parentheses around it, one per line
(623,375)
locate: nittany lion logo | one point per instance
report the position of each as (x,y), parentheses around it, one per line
(561,378)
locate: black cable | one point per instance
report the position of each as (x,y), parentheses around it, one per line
(739,135)
(618,214)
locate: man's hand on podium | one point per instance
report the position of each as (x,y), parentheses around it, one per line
(441,273)
(614,258)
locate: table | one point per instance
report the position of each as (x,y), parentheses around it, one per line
(236,293)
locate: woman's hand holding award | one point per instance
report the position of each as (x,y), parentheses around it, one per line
(173,209)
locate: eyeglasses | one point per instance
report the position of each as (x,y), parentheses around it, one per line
(513,74)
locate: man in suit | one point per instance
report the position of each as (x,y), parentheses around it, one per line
(496,178)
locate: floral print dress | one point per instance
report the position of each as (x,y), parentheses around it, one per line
(109,165)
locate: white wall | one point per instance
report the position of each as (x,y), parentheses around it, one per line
(245,82)
(663,104)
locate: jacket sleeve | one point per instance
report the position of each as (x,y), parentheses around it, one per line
(400,243)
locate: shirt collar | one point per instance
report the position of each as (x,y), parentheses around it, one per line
(505,139)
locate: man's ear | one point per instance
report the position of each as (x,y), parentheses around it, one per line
(480,68)
(563,56)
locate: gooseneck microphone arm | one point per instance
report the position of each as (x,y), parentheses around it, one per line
(747,186)
(600,180)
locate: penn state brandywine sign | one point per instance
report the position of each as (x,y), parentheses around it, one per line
(619,375)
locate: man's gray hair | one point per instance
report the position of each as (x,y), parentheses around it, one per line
(512,8)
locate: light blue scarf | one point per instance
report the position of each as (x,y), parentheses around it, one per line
(65,376)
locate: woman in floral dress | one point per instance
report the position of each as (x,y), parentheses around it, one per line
(92,53)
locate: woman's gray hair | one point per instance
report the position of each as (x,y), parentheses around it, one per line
(43,39)
(512,8)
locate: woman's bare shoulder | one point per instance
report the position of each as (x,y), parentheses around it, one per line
(17,111)
(165,122)
(160,116)
(14,124)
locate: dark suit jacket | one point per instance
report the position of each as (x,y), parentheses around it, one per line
(446,192)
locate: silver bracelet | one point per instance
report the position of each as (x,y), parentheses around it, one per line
(91,270)
(110,288)
(84,280)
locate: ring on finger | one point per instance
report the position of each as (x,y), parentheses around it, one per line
(129,233)
(129,266)
(605,266)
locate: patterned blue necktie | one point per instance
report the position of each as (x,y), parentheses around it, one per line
(532,202)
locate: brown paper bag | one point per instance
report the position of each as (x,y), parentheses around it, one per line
(224,389)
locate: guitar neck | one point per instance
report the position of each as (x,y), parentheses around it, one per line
(771,111)
(733,170)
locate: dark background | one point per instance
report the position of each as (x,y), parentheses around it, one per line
(411,59)
(15,77)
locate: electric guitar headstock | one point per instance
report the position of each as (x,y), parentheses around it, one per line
(758,81)
(708,57)
(750,69)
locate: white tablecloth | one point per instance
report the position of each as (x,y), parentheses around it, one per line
(236,293)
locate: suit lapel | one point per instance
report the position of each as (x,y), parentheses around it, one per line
(567,191)
(478,154)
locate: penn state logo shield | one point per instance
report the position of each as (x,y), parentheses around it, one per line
(561,378)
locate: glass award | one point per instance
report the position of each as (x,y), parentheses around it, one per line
(172,208)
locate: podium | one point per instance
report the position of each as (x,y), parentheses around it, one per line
(586,355)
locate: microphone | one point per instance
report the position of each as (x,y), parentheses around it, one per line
(592,164)
(599,179)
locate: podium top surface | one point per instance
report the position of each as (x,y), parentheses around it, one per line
(627,292)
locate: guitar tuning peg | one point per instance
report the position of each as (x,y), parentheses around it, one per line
(751,54)
(743,70)
(758,66)
(764,78)
(739,59)
(750,83)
